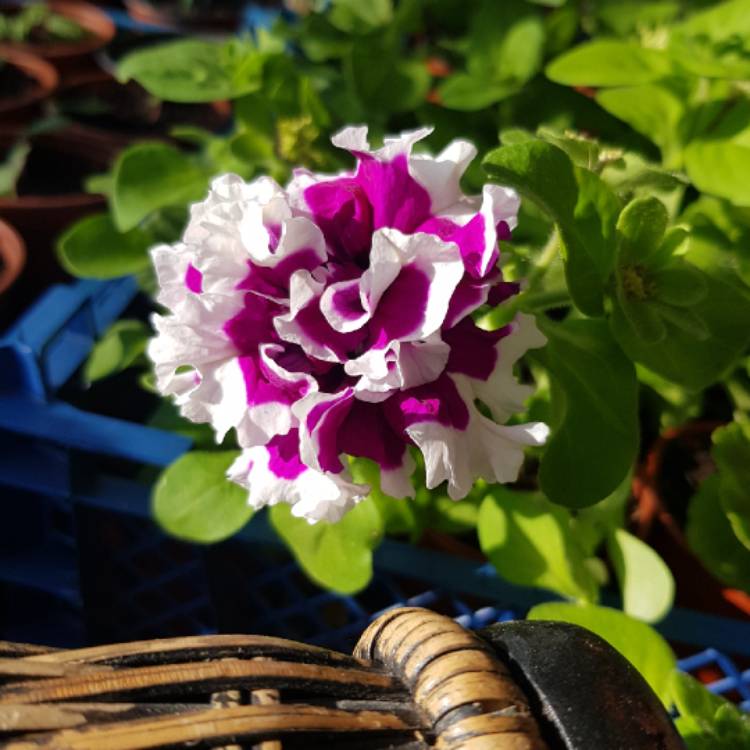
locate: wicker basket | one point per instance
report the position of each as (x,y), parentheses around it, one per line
(417,680)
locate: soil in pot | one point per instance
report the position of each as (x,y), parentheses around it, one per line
(25,82)
(49,192)
(79,30)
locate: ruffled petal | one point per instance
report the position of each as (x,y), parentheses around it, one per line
(274,473)
(482,448)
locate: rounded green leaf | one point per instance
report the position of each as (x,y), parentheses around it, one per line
(640,644)
(608,63)
(731,452)
(594,443)
(150,176)
(695,354)
(646,582)
(338,555)
(641,227)
(531,542)
(120,346)
(192,70)
(643,318)
(578,201)
(720,167)
(193,499)
(710,535)
(681,285)
(92,248)
(652,109)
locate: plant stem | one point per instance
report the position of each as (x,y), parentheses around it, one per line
(548,254)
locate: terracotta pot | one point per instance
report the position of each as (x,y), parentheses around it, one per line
(13,296)
(12,255)
(41,211)
(20,107)
(168,16)
(69,56)
(662,526)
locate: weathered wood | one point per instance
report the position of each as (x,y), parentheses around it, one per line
(196,648)
(466,693)
(9,649)
(239,724)
(206,677)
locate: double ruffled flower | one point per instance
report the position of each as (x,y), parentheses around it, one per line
(332,318)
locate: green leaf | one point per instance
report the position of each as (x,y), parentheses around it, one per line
(696,355)
(596,391)
(707,721)
(652,110)
(356,17)
(731,452)
(711,537)
(149,176)
(468,92)
(190,70)
(641,227)
(122,344)
(12,166)
(640,644)
(400,515)
(645,580)
(193,499)
(530,542)
(720,167)
(338,555)
(93,248)
(608,63)
(583,207)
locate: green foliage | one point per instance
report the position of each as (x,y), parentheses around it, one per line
(707,721)
(192,499)
(645,580)
(335,555)
(731,453)
(594,388)
(93,248)
(12,166)
(179,179)
(581,205)
(123,344)
(190,70)
(712,538)
(531,542)
(609,63)
(642,646)
(39,20)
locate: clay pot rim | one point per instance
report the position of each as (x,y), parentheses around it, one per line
(99,25)
(35,67)
(13,253)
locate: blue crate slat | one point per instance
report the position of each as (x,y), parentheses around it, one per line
(61,423)
(51,340)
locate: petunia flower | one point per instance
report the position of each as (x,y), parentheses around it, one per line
(332,318)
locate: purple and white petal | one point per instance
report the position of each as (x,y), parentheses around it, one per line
(274,473)
(482,448)
(401,365)
(501,392)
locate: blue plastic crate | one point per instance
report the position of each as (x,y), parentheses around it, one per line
(81,561)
